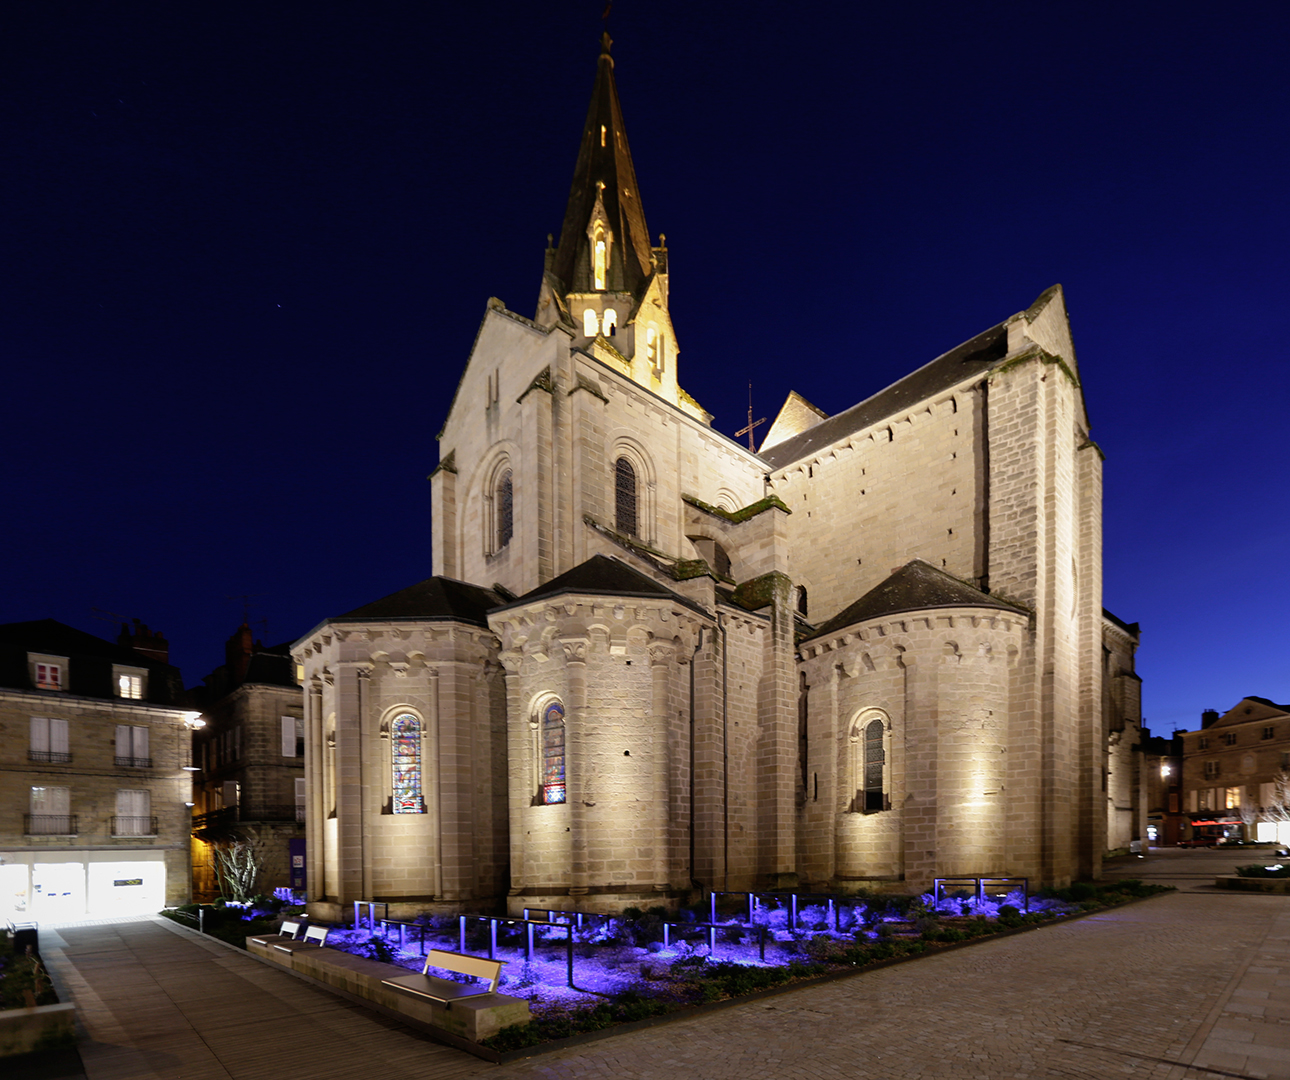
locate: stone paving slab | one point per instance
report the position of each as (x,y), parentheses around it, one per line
(1183,987)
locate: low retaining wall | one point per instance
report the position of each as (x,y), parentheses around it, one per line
(474,1019)
(1254,884)
(42,1027)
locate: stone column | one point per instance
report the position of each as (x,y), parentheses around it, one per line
(432,767)
(661,658)
(349,787)
(576,759)
(519,767)
(315,768)
(369,752)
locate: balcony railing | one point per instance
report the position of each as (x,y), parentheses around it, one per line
(49,824)
(134,826)
(250,812)
(134,762)
(58,756)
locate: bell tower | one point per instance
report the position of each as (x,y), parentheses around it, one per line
(604,279)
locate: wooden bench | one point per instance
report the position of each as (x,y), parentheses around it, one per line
(315,937)
(445,991)
(290,929)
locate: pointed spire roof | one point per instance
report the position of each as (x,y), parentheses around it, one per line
(605,172)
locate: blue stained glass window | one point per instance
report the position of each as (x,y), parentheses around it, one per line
(553,790)
(405,736)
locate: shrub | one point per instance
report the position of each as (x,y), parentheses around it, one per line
(376,948)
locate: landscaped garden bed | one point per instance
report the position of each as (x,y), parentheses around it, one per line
(31,1017)
(635,968)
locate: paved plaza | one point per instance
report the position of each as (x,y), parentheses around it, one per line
(1190,985)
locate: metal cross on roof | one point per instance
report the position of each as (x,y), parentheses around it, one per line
(751,423)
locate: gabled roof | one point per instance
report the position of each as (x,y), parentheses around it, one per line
(437,599)
(604,160)
(604,575)
(90,661)
(916,586)
(1246,713)
(973,357)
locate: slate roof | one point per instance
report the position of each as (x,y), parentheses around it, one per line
(973,357)
(89,662)
(604,575)
(606,161)
(916,586)
(437,599)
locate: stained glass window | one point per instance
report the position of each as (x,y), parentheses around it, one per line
(553,790)
(875,758)
(405,744)
(625,496)
(505,510)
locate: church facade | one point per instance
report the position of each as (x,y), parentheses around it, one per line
(651,660)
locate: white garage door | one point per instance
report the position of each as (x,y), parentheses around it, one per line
(127,888)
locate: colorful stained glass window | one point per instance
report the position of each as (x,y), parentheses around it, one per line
(553,790)
(405,742)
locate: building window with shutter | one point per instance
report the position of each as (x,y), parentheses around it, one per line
(50,812)
(48,741)
(300,798)
(132,747)
(293,736)
(134,814)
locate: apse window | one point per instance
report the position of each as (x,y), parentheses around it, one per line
(553,779)
(405,743)
(875,764)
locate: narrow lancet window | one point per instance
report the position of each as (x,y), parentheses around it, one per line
(505,510)
(625,496)
(598,262)
(405,739)
(875,761)
(553,784)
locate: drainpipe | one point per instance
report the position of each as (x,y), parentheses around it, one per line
(693,655)
(725,761)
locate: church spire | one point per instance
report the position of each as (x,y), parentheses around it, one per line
(604,243)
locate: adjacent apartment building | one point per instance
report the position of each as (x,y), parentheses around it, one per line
(1234,771)
(250,786)
(94,745)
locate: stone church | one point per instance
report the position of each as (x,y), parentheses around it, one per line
(650,660)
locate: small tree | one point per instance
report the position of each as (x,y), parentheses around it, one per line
(1278,809)
(237,862)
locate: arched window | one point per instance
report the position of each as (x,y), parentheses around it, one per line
(505,510)
(552,736)
(590,323)
(625,496)
(869,737)
(611,322)
(599,258)
(405,752)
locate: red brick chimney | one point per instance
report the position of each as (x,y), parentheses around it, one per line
(145,642)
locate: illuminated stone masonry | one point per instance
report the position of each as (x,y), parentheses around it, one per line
(870,653)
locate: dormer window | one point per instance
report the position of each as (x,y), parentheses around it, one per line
(589,323)
(47,672)
(129,682)
(611,322)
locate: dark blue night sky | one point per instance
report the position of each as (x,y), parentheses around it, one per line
(246,249)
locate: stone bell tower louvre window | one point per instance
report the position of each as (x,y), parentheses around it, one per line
(405,747)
